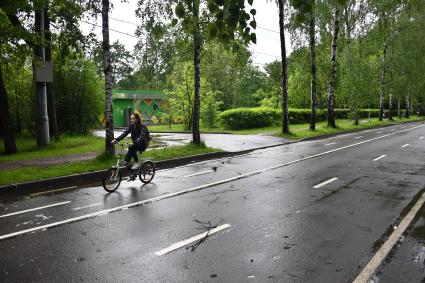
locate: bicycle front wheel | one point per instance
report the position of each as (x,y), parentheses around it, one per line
(147,172)
(112,180)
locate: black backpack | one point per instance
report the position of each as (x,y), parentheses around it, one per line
(144,138)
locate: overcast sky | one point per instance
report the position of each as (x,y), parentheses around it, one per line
(267,49)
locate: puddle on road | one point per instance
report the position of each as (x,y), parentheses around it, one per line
(418,254)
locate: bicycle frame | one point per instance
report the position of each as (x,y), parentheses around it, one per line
(117,165)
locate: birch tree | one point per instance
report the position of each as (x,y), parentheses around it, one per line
(107,70)
(284,69)
(332,81)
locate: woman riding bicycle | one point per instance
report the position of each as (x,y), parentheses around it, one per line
(139,135)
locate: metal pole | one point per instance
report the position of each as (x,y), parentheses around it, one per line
(42,120)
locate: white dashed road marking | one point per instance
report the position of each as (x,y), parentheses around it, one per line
(191,240)
(380,157)
(406,145)
(325,183)
(197,174)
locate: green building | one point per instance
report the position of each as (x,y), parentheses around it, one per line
(150,104)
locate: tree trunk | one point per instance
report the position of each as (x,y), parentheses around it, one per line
(313,87)
(382,96)
(107,70)
(390,107)
(407,113)
(285,116)
(398,108)
(197,65)
(5,120)
(51,101)
(332,82)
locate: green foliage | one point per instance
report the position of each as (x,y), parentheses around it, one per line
(222,20)
(21,93)
(248,118)
(79,95)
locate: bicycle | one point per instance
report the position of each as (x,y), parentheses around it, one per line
(113,177)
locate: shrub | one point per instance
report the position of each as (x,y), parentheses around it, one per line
(248,118)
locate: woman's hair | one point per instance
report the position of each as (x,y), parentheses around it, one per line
(138,120)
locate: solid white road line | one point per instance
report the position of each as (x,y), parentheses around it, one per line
(87,206)
(382,253)
(380,157)
(406,145)
(186,242)
(258,151)
(332,143)
(197,174)
(325,183)
(194,189)
(33,209)
(279,155)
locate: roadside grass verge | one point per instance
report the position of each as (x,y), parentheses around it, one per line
(101,162)
(297,130)
(66,145)
(302,130)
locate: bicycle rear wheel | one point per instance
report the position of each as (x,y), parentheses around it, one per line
(147,172)
(112,180)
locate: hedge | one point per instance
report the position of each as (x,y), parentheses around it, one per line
(249,118)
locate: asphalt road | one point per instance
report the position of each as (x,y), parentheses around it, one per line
(307,212)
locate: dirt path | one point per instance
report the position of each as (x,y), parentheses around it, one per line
(44,162)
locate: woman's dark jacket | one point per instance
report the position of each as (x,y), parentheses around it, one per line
(137,135)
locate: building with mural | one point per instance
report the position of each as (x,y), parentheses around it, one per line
(150,104)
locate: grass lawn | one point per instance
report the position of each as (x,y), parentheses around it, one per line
(302,130)
(27,147)
(297,130)
(101,162)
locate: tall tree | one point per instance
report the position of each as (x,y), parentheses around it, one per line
(196,136)
(284,70)
(332,81)
(220,20)
(313,86)
(107,70)
(382,77)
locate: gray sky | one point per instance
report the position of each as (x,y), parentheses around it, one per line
(266,50)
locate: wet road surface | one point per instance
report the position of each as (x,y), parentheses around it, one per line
(307,212)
